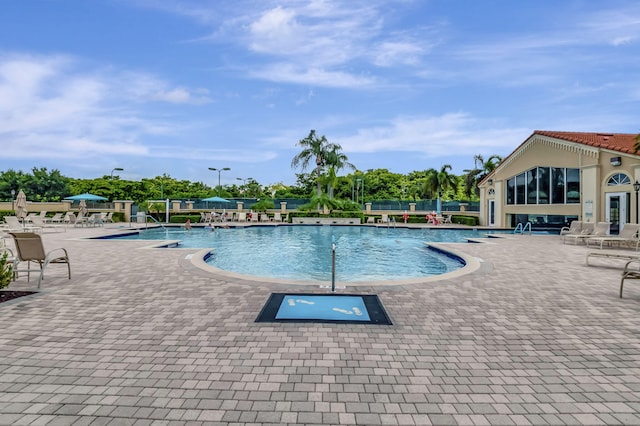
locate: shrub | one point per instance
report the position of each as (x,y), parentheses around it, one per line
(182,218)
(465,220)
(6,270)
(118,217)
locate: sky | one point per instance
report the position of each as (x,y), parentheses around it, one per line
(178,86)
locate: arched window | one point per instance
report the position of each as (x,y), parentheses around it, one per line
(619,179)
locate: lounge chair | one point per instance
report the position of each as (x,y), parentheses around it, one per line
(81,220)
(277,217)
(631,272)
(254,217)
(586,229)
(447,219)
(574,228)
(371,219)
(628,236)
(30,249)
(108,218)
(95,219)
(41,224)
(264,217)
(69,218)
(56,218)
(384,219)
(14,224)
(612,254)
(242,217)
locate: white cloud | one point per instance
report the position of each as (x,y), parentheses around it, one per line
(290,73)
(434,136)
(49,109)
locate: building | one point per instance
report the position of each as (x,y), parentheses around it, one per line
(553,178)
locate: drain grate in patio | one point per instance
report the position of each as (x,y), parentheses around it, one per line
(324,308)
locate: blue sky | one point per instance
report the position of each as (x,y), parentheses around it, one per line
(178,86)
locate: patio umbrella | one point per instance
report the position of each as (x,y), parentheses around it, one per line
(82,208)
(21,205)
(86,197)
(216,200)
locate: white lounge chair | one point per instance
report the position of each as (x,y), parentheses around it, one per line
(264,217)
(277,217)
(242,217)
(14,225)
(628,236)
(599,230)
(36,221)
(574,228)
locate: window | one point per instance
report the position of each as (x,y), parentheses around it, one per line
(573,186)
(532,186)
(619,179)
(543,185)
(557,186)
(520,188)
(546,185)
(511,191)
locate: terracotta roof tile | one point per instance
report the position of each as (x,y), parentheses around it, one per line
(621,142)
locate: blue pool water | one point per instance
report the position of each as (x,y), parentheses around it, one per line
(304,252)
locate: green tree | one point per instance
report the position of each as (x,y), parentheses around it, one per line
(335,161)
(438,181)
(313,148)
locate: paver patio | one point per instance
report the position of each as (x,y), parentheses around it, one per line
(141,336)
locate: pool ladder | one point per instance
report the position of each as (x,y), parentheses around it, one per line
(523,229)
(155,220)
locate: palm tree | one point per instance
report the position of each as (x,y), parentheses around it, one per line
(313,147)
(480,171)
(335,160)
(439,181)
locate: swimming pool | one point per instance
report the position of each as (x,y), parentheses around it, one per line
(303,253)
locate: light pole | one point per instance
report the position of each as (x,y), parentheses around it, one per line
(636,187)
(119,169)
(213,169)
(13,199)
(244,184)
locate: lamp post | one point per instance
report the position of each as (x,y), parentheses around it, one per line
(119,169)
(13,199)
(213,169)
(636,187)
(244,184)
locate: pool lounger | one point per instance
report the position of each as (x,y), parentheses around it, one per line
(613,254)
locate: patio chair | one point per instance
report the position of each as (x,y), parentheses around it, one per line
(69,218)
(108,218)
(631,272)
(242,217)
(589,230)
(95,220)
(277,217)
(371,219)
(56,218)
(30,249)
(264,217)
(14,224)
(574,228)
(384,218)
(254,216)
(80,220)
(628,236)
(42,224)
(447,219)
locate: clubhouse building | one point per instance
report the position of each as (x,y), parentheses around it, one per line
(553,178)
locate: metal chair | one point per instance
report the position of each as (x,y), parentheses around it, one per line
(30,249)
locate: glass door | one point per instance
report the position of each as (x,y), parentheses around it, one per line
(616,211)
(492,212)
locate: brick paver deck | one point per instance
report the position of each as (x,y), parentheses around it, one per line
(141,336)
